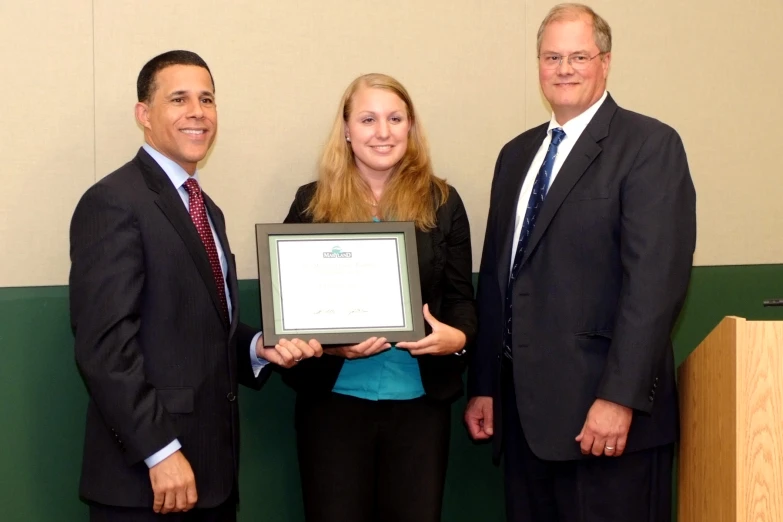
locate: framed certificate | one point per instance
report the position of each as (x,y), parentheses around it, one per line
(339,283)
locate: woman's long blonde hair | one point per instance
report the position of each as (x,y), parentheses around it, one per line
(412,193)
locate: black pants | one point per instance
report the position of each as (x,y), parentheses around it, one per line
(635,487)
(226,512)
(372,461)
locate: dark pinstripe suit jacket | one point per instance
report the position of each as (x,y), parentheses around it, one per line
(156,357)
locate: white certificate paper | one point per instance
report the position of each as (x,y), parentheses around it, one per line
(340,284)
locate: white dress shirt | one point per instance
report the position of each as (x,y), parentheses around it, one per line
(573,129)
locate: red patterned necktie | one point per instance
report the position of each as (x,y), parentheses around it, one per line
(198,213)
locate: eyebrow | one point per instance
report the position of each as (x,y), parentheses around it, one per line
(580,51)
(373,113)
(183,93)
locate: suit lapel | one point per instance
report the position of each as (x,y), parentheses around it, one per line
(170,204)
(585,150)
(507,207)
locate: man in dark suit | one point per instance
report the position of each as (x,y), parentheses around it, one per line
(154,311)
(586,261)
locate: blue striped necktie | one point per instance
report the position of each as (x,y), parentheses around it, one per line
(534,204)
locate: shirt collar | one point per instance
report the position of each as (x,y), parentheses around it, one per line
(176,174)
(575,126)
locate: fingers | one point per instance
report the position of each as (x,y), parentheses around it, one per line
(586,444)
(429,318)
(427,344)
(590,441)
(433,349)
(173,484)
(365,348)
(279,356)
(475,428)
(365,345)
(181,500)
(620,447)
(287,353)
(192,495)
(489,420)
(379,345)
(318,350)
(610,447)
(598,446)
(605,430)
(170,502)
(369,347)
(473,420)
(478,418)
(291,351)
(271,355)
(444,340)
(421,344)
(157,502)
(601,444)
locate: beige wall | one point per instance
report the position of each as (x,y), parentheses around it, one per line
(704,67)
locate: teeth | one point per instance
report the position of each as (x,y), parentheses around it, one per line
(193,131)
(382,147)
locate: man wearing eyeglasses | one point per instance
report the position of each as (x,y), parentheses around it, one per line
(586,262)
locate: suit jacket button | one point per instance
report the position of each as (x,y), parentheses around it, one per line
(651,398)
(231,397)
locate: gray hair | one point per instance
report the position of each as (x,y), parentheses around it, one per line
(602,33)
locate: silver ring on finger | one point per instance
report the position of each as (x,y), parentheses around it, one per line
(609,448)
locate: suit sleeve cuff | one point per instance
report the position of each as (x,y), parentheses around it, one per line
(256,362)
(162,454)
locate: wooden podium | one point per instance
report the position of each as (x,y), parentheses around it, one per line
(731,446)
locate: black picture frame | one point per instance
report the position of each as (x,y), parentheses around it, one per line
(268,239)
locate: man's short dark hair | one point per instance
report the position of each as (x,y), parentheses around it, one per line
(145,85)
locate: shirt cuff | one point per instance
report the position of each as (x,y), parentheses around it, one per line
(166,452)
(256,362)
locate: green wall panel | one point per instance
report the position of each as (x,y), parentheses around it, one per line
(42,404)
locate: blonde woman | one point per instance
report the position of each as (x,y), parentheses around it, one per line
(373,420)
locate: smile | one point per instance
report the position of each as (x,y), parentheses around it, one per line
(194,132)
(381,148)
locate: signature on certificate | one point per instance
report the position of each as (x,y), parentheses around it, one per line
(332,311)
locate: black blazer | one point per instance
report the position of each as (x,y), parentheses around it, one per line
(603,280)
(157,358)
(445,269)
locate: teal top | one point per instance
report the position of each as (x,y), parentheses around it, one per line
(390,375)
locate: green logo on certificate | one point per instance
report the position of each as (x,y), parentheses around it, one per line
(337,253)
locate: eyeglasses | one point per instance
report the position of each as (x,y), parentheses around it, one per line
(578,61)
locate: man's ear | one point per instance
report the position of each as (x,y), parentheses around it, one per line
(606,62)
(142,111)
